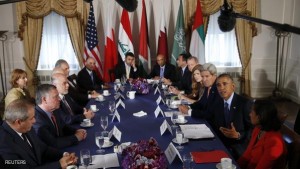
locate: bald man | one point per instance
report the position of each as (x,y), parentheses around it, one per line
(71,111)
(163,70)
(87,78)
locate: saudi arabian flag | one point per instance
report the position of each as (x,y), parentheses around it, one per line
(179,37)
(197,47)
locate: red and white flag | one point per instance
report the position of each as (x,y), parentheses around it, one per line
(197,47)
(125,36)
(144,55)
(162,47)
(110,50)
(91,47)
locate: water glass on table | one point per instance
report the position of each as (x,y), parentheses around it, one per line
(179,138)
(168,102)
(99,139)
(111,107)
(174,118)
(85,157)
(104,122)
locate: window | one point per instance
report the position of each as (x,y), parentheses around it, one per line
(220,47)
(56,43)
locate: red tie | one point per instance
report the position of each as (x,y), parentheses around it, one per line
(55,124)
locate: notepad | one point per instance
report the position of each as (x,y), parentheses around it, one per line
(209,156)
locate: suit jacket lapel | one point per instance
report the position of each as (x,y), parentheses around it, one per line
(233,107)
(45,117)
(28,152)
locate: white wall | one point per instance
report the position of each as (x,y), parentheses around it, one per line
(264,51)
(13,48)
(264,45)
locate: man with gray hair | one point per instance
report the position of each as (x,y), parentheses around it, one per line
(19,145)
(49,126)
(82,98)
(201,108)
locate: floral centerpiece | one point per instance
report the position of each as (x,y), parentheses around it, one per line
(140,85)
(144,155)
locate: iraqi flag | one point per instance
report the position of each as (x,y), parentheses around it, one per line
(197,47)
(162,47)
(110,50)
(144,55)
(125,36)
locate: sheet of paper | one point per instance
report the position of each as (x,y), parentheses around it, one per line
(165,126)
(157,90)
(158,112)
(140,114)
(171,152)
(105,161)
(116,116)
(196,131)
(120,102)
(117,133)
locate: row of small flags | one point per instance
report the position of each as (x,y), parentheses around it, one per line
(125,39)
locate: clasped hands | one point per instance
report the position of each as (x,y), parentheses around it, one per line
(68,159)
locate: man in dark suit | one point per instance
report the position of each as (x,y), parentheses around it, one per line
(87,78)
(71,112)
(163,70)
(49,126)
(127,68)
(82,98)
(202,107)
(20,148)
(184,75)
(230,116)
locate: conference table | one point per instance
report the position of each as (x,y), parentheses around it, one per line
(142,128)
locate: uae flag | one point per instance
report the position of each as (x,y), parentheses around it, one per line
(179,37)
(144,50)
(162,47)
(91,47)
(110,50)
(197,47)
(125,36)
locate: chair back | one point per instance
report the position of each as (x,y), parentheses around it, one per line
(292,141)
(297,123)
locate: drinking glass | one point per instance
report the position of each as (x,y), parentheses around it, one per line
(99,139)
(168,103)
(187,161)
(174,118)
(179,138)
(116,87)
(85,157)
(104,122)
(112,107)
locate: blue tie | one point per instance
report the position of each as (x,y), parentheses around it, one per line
(227,114)
(92,77)
(161,73)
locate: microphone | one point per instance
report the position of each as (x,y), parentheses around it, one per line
(129,5)
(226,20)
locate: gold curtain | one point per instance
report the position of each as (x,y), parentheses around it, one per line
(30,16)
(245,30)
